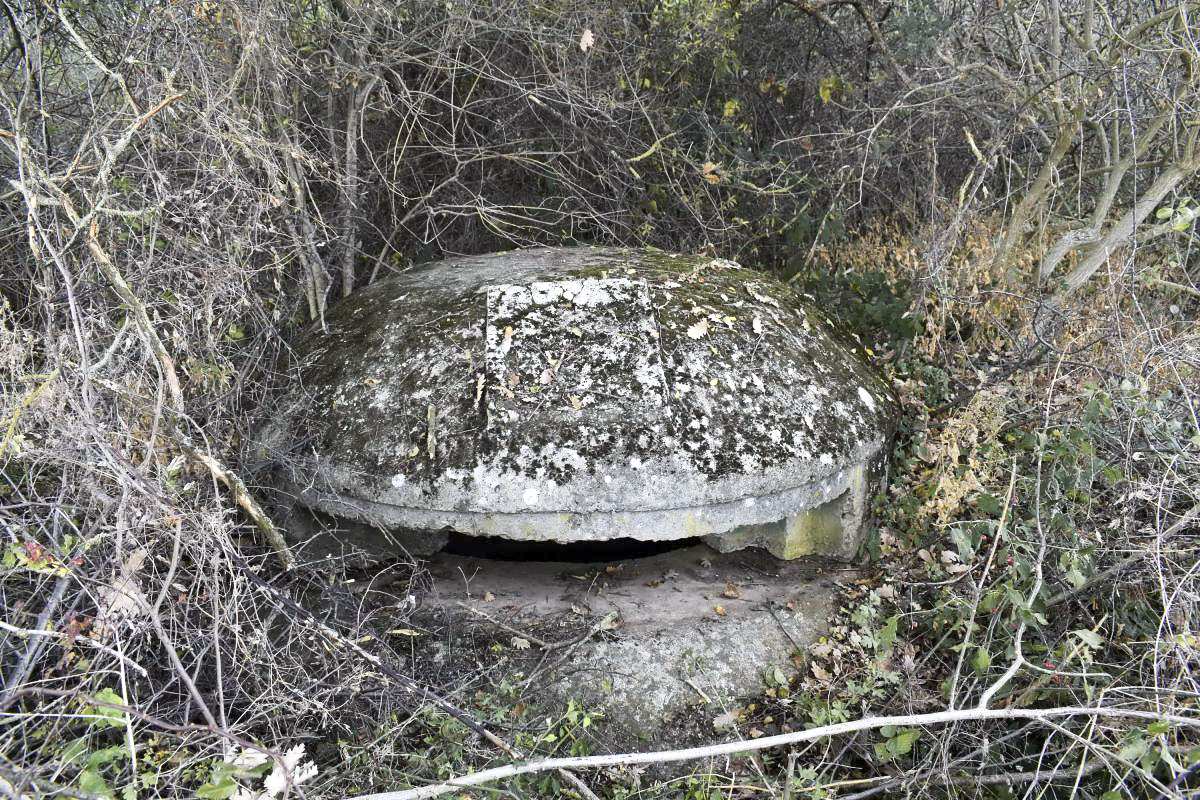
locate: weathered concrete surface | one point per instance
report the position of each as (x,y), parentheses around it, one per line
(577,394)
(661,661)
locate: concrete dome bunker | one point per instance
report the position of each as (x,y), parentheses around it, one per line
(580,395)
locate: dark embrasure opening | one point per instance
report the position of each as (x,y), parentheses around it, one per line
(497,549)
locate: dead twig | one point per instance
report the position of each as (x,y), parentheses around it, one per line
(734,748)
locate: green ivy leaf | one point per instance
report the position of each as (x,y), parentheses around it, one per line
(899,742)
(887,636)
(73,750)
(222,790)
(109,717)
(990,601)
(1134,749)
(902,743)
(1091,639)
(1077,578)
(106,755)
(989,504)
(91,782)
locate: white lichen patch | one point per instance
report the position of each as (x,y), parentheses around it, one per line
(574,363)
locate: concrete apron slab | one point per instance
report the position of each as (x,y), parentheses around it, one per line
(675,638)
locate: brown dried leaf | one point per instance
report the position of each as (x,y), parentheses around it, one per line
(726,720)
(122,599)
(403,632)
(699,330)
(134,562)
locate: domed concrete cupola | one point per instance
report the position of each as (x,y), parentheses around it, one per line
(579,395)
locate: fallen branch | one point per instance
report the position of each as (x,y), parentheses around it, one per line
(241,496)
(767,742)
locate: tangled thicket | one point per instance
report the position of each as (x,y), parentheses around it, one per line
(993,194)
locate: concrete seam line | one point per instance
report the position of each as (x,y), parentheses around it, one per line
(731,748)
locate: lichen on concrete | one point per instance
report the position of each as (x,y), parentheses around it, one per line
(574,394)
